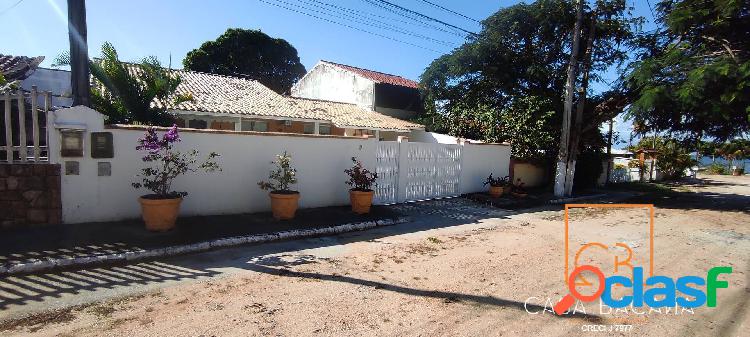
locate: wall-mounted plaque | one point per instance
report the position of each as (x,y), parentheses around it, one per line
(71,144)
(72,168)
(104,168)
(102,145)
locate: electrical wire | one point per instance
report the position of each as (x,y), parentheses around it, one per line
(450,11)
(368,22)
(349,26)
(406,10)
(11,7)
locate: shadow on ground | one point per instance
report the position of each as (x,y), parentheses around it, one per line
(22,289)
(18,290)
(265,266)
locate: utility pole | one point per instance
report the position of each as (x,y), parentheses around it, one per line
(79,53)
(563,154)
(609,152)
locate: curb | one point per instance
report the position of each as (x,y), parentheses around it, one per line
(52,264)
(585,197)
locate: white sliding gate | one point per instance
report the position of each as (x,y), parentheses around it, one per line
(417,171)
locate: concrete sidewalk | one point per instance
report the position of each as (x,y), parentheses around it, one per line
(51,247)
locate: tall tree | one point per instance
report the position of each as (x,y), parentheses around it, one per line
(693,77)
(515,72)
(562,171)
(249,54)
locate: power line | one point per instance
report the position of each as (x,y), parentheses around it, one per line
(369,14)
(411,17)
(349,26)
(403,9)
(450,11)
(11,7)
(369,22)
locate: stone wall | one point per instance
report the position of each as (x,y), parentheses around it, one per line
(29,195)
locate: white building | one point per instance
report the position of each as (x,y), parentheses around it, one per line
(388,94)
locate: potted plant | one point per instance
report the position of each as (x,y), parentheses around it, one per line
(497,185)
(361,181)
(518,190)
(283,200)
(160,208)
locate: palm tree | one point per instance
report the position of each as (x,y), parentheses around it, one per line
(127,92)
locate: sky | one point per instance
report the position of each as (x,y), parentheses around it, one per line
(171,28)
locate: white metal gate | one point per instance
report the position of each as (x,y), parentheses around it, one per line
(416,171)
(386,159)
(432,170)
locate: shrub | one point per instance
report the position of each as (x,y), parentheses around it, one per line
(716,168)
(169,163)
(673,159)
(280,178)
(497,182)
(360,179)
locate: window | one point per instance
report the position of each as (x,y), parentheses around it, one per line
(309,128)
(197,124)
(248,125)
(260,126)
(325,129)
(362,132)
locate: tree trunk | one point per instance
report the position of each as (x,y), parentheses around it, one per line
(575,135)
(562,156)
(79,55)
(609,153)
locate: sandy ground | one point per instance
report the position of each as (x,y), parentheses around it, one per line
(465,270)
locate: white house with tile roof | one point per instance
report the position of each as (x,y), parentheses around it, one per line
(231,103)
(388,94)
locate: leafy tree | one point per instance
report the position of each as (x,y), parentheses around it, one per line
(734,150)
(485,87)
(693,76)
(128,93)
(249,54)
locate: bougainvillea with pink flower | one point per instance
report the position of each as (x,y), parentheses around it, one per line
(167,163)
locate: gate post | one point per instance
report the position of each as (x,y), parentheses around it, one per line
(403,170)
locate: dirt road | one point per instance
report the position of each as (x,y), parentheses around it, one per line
(460,270)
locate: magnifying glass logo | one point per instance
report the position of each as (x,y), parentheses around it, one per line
(568,300)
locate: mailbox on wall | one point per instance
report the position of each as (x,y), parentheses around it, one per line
(71,143)
(102,145)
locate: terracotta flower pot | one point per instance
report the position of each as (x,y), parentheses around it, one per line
(284,205)
(159,214)
(496,191)
(361,201)
(507,189)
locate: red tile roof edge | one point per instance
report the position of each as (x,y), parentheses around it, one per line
(378,76)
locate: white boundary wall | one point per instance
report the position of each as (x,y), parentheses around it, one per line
(245,159)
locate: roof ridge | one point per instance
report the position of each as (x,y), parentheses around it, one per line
(195,72)
(319,100)
(365,69)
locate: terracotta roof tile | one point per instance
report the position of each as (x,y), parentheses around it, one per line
(233,95)
(351,115)
(17,67)
(378,76)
